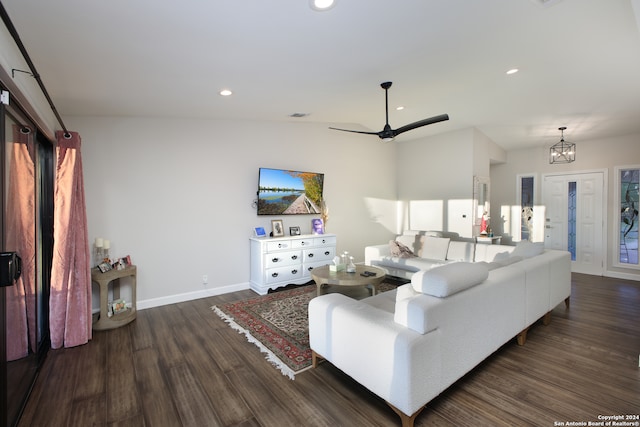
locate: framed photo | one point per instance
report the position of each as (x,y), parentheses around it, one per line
(259,232)
(118,306)
(277,228)
(317,226)
(104,267)
(294,231)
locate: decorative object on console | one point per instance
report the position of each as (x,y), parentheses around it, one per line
(484,225)
(324,211)
(562,152)
(277,228)
(259,232)
(287,192)
(317,226)
(294,231)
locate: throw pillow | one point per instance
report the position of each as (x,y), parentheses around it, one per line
(449,279)
(398,250)
(435,248)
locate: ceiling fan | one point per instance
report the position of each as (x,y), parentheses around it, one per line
(387,134)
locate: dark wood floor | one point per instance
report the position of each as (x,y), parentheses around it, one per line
(180,365)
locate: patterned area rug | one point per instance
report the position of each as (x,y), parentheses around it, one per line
(278,324)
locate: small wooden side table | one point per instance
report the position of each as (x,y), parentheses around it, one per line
(104,280)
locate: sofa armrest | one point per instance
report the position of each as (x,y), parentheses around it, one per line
(376,253)
(394,362)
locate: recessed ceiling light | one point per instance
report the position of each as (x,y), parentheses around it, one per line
(512,71)
(400,108)
(225,92)
(321,5)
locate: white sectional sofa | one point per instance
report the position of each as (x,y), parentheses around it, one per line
(409,345)
(431,249)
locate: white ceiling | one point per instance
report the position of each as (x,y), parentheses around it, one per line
(579,62)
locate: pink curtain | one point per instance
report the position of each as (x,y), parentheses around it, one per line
(70,302)
(20,235)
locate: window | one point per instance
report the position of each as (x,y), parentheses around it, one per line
(627,180)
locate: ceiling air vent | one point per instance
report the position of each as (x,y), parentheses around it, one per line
(298,115)
(546,3)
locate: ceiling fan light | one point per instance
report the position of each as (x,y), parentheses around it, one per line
(388,139)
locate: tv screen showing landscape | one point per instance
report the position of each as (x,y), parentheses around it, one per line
(287,192)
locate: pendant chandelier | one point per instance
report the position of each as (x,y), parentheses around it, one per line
(562,152)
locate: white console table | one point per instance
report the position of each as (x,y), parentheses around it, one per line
(277,262)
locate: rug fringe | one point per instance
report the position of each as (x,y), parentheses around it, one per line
(272,358)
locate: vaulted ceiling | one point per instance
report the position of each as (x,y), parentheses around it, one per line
(578,62)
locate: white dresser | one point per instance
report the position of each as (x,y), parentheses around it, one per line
(280,261)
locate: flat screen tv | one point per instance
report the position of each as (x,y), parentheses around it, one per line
(287,192)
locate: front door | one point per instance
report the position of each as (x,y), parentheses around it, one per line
(574,219)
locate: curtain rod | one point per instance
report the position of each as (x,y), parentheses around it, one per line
(32,67)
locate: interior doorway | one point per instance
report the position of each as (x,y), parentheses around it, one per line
(575,218)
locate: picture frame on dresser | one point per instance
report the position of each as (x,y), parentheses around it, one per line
(277,228)
(294,231)
(259,232)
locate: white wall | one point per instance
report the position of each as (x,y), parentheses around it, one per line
(176,194)
(590,155)
(435,179)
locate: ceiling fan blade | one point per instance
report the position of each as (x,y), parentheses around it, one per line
(420,123)
(355,131)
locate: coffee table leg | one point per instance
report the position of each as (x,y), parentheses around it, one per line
(319,285)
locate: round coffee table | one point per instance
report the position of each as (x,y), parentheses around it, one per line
(323,276)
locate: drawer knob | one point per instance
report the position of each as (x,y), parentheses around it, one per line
(274,275)
(310,255)
(294,257)
(275,260)
(294,271)
(327,252)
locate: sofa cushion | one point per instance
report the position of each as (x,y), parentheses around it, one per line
(399,250)
(434,248)
(491,253)
(504,262)
(527,249)
(449,279)
(460,251)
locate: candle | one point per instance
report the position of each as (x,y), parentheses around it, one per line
(99,242)
(107,244)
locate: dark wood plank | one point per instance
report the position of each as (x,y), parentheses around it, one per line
(182,365)
(123,400)
(157,400)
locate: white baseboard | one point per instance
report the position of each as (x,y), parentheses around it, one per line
(618,275)
(189,296)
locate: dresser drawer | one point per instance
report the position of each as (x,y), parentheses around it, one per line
(280,274)
(277,259)
(325,241)
(302,243)
(278,245)
(319,254)
(308,266)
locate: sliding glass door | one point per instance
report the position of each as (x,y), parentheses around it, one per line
(27,213)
